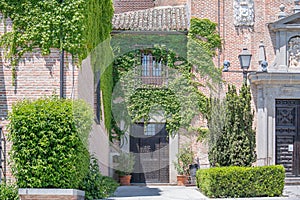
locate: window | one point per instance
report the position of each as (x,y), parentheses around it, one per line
(150,129)
(97,97)
(150,67)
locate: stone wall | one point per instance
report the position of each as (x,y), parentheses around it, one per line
(51,194)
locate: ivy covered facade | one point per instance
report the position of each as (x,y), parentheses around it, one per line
(157,94)
(33,35)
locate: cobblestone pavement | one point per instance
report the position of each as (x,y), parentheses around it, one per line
(186,193)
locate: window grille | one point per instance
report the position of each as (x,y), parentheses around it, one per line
(151,71)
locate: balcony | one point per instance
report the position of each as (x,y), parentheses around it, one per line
(153,72)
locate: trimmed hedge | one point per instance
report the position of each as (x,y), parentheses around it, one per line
(241,181)
(49,142)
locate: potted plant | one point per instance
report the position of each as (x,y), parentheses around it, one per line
(125,165)
(182,165)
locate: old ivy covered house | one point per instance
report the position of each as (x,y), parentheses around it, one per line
(146,38)
(270,31)
(154,95)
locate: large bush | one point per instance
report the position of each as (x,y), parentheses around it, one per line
(97,186)
(49,142)
(8,192)
(241,181)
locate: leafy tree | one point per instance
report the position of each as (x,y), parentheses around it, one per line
(232,138)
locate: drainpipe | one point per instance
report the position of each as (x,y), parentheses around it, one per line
(61,61)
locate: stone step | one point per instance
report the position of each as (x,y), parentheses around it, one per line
(292,181)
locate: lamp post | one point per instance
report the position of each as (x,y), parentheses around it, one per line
(245,60)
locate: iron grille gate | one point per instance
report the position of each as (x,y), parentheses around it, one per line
(288,135)
(151,154)
(2,156)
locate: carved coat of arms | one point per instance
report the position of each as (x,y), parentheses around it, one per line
(243,12)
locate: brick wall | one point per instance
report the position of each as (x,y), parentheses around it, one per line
(170,2)
(39,76)
(131,5)
(233,39)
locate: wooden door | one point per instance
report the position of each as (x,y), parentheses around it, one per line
(288,135)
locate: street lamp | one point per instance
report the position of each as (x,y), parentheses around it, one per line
(245,60)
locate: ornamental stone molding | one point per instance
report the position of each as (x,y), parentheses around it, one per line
(286,44)
(294,52)
(243,12)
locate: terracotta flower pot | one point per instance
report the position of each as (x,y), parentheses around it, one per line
(125,180)
(181,180)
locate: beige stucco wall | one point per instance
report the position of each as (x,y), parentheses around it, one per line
(98,139)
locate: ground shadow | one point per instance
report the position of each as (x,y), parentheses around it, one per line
(136,191)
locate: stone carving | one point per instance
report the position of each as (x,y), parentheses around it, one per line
(243,12)
(294,52)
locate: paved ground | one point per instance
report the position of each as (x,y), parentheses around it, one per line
(185,193)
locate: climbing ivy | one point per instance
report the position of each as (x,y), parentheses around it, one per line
(77,26)
(181,100)
(203,41)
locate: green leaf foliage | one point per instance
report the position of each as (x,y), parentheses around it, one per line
(8,192)
(203,41)
(77,26)
(49,142)
(234,182)
(125,163)
(181,100)
(184,160)
(80,27)
(95,185)
(232,138)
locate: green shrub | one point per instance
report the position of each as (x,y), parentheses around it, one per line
(231,134)
(97,186)
(8,192)
(49,142)
(241,181)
